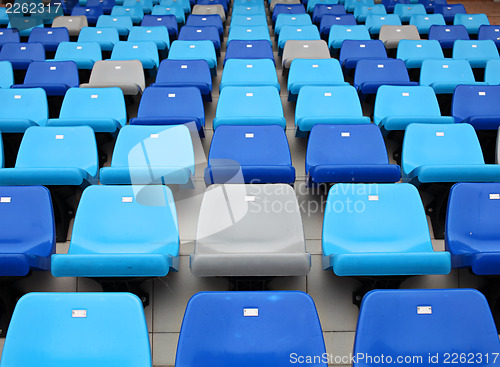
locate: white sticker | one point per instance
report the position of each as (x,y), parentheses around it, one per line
(337,18)
(184,66)
(99,32)
(154,136)
(115,20)
(79,313)
(474,46)
(293,18)
(79,47)
(249,135)
(406,94)
(249,46)
(424,310)
(192,46)
(249,30)
(439,133)
(249,198)
(171,95)
(203,18)
(17,96)
(348,30)
(299,30)
(249,94)
(118,67)
(372,197)
(447,30)
(250,312)
(49,32)
(126,199)
(249,18)
(362,46)
(419,46)
(328,94)
(482,93)
(497,30)
(52,68)
(380,66)
(94,96)
(315,66)
(306,46)
(59,137)
(445,66)
(5,199)
(198,31)
(345,135)
(135,46)
(398,29)
(470,18)
(426,18)
(494,196)
(382,18)
(249,66)
(23,48)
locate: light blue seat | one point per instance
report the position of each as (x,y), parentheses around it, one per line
(178,11)
(423,22)
(374,22)
(82,323)
(492,72)
(146,5)
(148,245)
(4,17)
(25,24)
(476,52)
(122,23)
(186,5)
(243,33)
(432,316)
(305,33)
(194,50)
(394,239)
(398,106)
(257,72)
(145,155)
(339,33)
(406,11)
(472,22)
(6,74)
(144,51)
(445,153)
(84,54)
(350,5)
(269,338)
(311,4)
(414,52)
(313,72)
(159,35)
(134,12)
(107,37)
(295,20)
(247,21)
(361,12)
(327,105)
(103,109)
(249,106)
(54,156)
(22,108)
(444,75)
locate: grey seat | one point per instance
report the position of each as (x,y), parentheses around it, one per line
(73,23)
(250,230)
(210,10)
(294,49)
(392,34)
(126,75)
(286,2)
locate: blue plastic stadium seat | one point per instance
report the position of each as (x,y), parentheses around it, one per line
(414,52)
(184,73)
(340,33)
(210,33)
(305,33)
(134,12)
(477,105)
(158,34)
(361,12)
(371,74)
(25,24)
(328,20)
(22,54)
(395,239)
(122,23)
(449,11)
(476,52)
(209,20)
(148,247)
(262,322)
(398,106)
(107,5)
(353,50)
(471,232)
(431,316)
(172,9)
(144,51)
(256,72)
(472,22)
(244,33)
(350,5)
(249,106)
(390,4)
(445,153)
(22,108)
(448,34)
(320,10)
(55,77)
(287,9)
(423,22)
(9,35)
(6,74)
(327,105)
(375,22)
(145,155)
(444,75)
(311,4)
(106,37)
(194,50)
(248,21)
(84,54)
(259,49)
(184,4)
(486,32)
(213,2)
(27,227)
(81,322)
(49,37)
(168,21)
(492,72)
(91,12)
(146,5)
(103,109)
(313,72)
(171,106)
(249,154)
(54,156)
(348,153)
(4,16)
(406,11)
(430,5)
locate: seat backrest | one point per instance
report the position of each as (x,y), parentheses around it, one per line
(317,49)
(388,70)
(114,21)
(177,72)
(272,328)
(393,33)
(492,72)
(49,35)
(387,317)
(335,101)
(6,74)
(448,32)
(445,70)
(22,51)
(89,326)
(355,49)
(251,101)
(485,32)
(131,50)
(9,35)
(465,49)
(472,101)
(83,53)
(52,72)
(471,21)
(424,21)
(99,34)
(339,33)
(419,49)
(375,20)
(120,72)
(30,104)
(148,33)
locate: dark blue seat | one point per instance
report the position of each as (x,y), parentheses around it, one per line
(206,33)
(169,21)
(91,12)
(449,11)
(49,37)
(477,105)
(249,154)
(390,4)
(353,51)
(431,4)
(448,34)
(489,32)
(209,20)
(287,9)
(107,5)
(328,20)
(348,153)
(259,49)
(9,35)
(249,329)
(320,10)
(22,54)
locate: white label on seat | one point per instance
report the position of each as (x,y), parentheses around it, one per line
(192,46)
(249,135)
(52,68)
(445,66)
(449,8)
(7,199)
(380,66)
(135,46)
(287,8)
(249,198)
(249,30)
(87,9)
(250,312)
(154,136)
(398,30)
(439,133)
(93,96)
(148,31)
(171,95)
(249,46)
(328,94)
(99,32)
(299,30)
(118,67)
(406,94)
(79,47)
(49,32)
(348,30)
(315,66)
(497,30)
(424,310)
(382,18)
(115,20)
(294,18)
(184,66)
(79,313)
(158,19)
(203,18)
(329,7)
(419,46)
(59,137)
(126,199)
(482,93)
(337,18)
(306,46)
(249,66)
(249,8)
(372,197)
(470,18)
(447,30)
(70,20)
(23,48)
(474,46)
(249,94)
(17,96)
(249,18)
(494,196)
(198,31)
(362,46)
(345,135)
(426,18)
(1,33)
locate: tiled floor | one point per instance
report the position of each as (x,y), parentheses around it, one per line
(331,294)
